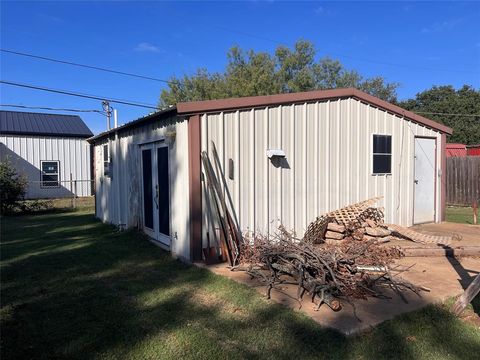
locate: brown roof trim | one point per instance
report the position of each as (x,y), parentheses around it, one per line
(198,107)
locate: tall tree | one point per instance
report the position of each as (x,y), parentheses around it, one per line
(250,73)
(448,100)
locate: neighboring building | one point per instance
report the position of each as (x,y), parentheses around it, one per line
(284,159)
(473,150)
(50,150)
(455,150)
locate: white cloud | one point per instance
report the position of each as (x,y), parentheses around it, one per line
(442,25)
(146,47)
(321,11)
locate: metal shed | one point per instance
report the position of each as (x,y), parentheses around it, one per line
(284,159)
(50,150)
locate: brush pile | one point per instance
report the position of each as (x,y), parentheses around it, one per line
(350,269)
(354,265)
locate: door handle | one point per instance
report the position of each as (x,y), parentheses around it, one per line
(155,198)
(415,181)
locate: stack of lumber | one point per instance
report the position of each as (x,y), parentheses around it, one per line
(229,238)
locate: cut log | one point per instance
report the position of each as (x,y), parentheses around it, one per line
(336,228)
(368,238)
(371,223)
(384,240)
(378,232)
(333,235)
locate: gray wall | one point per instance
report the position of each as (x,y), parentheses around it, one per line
(27,152)
(119,197)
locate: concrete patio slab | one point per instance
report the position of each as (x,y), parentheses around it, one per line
(445,276)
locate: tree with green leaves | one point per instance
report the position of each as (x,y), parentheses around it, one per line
(12,187)
(447,100)
(250,73)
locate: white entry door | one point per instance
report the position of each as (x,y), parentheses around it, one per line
(425,171)
(156,191)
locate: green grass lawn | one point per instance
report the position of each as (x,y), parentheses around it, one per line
(72,287)
(457,214)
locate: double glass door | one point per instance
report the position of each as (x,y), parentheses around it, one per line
(156,192)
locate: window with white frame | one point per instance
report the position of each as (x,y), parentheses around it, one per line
(382,154)
(50,173)
(106,161)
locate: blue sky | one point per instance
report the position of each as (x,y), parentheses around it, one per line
(418,44)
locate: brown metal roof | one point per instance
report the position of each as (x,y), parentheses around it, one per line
(198,107)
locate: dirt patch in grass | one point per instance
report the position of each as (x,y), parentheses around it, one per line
(212,301)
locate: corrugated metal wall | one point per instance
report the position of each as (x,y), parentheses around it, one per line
(119,198)
(328,162)
(73,154)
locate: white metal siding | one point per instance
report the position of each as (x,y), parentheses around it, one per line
(119,198)
(27,152)
(328,146)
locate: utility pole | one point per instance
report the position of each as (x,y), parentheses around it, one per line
(108,111)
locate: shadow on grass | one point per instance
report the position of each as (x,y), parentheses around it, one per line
(75,288)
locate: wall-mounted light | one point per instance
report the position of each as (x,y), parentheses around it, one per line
(272,153)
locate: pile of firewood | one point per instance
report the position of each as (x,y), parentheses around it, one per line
(368,229)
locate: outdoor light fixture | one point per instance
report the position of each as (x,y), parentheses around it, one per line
(272,153)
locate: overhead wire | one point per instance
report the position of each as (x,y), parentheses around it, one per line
(53,109)
(373,61)
(82,95)
(104,69)
(445,114)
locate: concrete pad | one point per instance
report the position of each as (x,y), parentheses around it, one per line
(468,244)
(445,278)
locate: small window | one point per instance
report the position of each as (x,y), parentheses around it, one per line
(50,173)
(382,154)
(106,161)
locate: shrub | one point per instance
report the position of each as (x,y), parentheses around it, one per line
(12,187)
(33,206)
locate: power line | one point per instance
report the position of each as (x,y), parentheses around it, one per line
(148,106)
(49,108)
(445,114)
(341,54)
(86,96)
(87,66)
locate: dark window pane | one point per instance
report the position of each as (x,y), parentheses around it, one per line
(50,167)
(147,188)
(382,164)
(163,191)
(50,180)
(382,144)
(105,152)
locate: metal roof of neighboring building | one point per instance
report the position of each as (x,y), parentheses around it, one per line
(455,150)
(41,124)
(454,146)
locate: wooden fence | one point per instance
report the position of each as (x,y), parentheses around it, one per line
(463,180)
